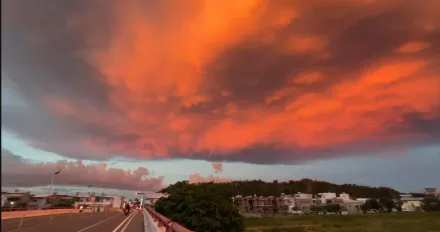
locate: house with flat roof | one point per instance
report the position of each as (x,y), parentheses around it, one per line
(410,203)
(100,203)
(152,198)
(15,200)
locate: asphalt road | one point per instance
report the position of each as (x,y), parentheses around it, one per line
(87,222)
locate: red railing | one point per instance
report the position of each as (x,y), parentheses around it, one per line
(166,222)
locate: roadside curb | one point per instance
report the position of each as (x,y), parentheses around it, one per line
(144,214)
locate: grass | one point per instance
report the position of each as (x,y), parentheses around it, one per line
(394,222)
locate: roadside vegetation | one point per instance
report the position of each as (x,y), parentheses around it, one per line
(390,222)
(209,207)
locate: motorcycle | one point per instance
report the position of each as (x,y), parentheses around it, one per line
(126,211)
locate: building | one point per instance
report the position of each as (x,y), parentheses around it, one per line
(112,201)
(41,201)
(254,204)
(325,198)
(4,199)
(38,202)
(296,203)
(363,200)
(304,201)
(351,206)
(288,200)
(430,191)
(347,204)
(285,203)
(16,199)
(411,203)
(344,196)
(98,203)
(152,198)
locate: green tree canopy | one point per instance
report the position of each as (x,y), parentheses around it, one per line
(371,204)
(387,203)
(275,188)
(201,208)
(326,208)
(431,204)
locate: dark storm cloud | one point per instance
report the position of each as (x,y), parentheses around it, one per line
(271,82)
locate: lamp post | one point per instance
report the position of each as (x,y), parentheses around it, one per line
(100,189)
(142,199)
(53,178)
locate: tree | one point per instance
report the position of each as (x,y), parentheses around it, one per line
(274,206)
(333,208)
(136,200)
(275,188)
(201,208)
(430,204)
(387,203)
(371,204)
(399,205)
(317,208)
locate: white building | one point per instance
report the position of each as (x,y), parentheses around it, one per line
(344,197)
(38,201)
(4,199)
(410,203)
(288,200)
(325,198)
(113,201)
(303,196)
(90,200)
(151,198)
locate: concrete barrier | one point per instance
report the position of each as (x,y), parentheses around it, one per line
(35,213)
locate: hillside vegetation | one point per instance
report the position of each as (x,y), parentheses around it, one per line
(275,188)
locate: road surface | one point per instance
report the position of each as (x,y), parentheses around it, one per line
(86,222)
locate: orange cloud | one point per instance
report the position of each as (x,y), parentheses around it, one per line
(206,79)
(197,178)
(218,167)
(413,47)
(17,171)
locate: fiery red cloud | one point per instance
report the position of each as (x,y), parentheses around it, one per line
(17,171)
(249,80)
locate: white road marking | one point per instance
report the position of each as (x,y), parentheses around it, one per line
(129,221)
(99,222)
(122,223)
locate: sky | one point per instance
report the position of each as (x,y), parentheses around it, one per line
(136,95)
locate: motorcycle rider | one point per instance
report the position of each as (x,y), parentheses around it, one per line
(127,209)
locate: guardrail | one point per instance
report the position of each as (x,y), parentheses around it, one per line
(162,223)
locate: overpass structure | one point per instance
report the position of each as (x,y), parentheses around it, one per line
(72,220)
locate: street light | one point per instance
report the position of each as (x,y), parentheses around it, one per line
(100,189)
(142,199)
(53,177)
(12,204)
